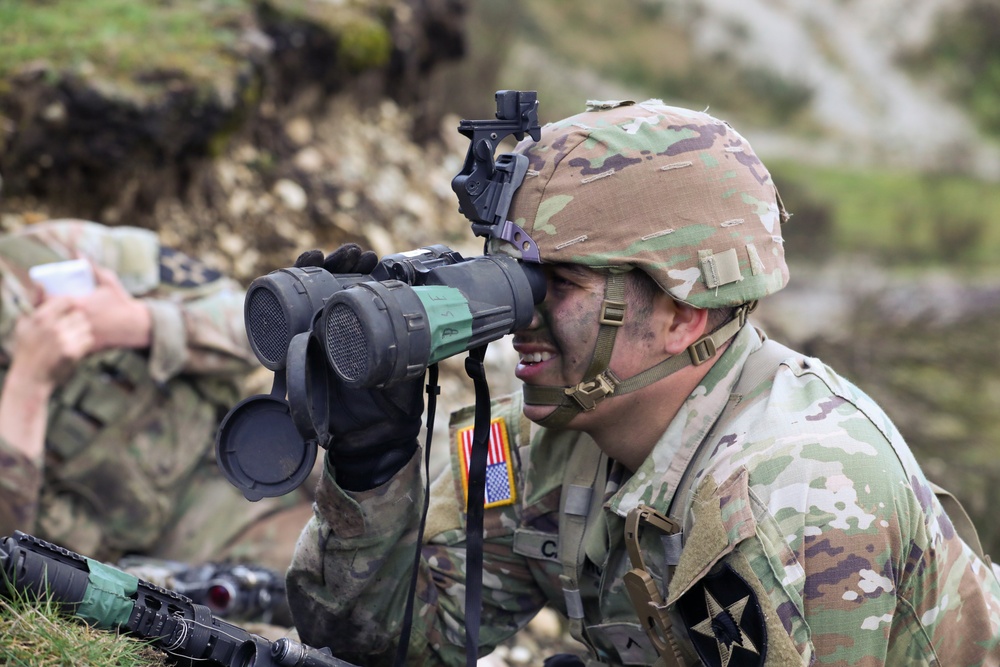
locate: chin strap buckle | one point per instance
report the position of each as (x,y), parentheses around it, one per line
(589,393)
(702,350)
(705,347)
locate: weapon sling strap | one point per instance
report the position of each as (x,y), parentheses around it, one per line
(642,589)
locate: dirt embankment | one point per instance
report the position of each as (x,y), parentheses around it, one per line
(300,143)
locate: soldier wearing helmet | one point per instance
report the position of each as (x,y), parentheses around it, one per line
(693,493)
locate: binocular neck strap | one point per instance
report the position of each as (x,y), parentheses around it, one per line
(476,503)
(433,389)
(587,395)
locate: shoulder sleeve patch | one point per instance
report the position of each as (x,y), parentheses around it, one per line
(500,487)
(177,269)
(724,620)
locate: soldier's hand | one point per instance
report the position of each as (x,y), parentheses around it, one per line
(117,318)
(348,258)
(48,343)
(374,431)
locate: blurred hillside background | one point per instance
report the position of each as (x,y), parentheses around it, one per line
(246,132)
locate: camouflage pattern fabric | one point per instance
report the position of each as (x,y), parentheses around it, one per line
(676,193)
(130,440)
(807,510)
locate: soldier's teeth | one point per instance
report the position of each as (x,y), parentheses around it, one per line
(535,357)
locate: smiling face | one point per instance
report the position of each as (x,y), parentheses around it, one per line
(557,347)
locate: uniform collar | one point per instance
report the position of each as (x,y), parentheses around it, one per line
(655,482)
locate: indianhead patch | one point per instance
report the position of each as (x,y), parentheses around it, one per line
(500,488)
(724,620)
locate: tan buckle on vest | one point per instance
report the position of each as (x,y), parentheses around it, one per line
(588,394)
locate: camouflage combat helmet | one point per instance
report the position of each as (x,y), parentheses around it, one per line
(675,193)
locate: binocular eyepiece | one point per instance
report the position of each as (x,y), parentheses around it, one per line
(313,328)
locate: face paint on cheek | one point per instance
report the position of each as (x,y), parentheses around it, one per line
(578,329)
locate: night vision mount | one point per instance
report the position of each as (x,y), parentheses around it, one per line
(486,186)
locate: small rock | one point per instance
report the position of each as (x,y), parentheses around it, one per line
(291,194)
(239,203)
(299,130)
(381,241)
(309,160)
(347,199)
(54,113)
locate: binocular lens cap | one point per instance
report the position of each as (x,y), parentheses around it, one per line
(260,451)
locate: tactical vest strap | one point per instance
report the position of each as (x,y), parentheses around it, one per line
(582,472)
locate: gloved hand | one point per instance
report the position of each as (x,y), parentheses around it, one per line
(374,431)
(348,258)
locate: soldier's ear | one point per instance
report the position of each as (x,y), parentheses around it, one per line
(684,326)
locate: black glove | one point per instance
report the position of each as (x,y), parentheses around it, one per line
(373,431)
(348,258)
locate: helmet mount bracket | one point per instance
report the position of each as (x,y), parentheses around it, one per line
(485,187)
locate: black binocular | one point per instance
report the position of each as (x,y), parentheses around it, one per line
(313,328)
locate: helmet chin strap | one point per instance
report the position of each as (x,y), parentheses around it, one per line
(602,382)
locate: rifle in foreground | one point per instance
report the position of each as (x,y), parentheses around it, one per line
(108,598)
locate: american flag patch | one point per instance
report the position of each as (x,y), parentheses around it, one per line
(500,488)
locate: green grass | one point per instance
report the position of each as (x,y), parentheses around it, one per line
(33,634)
(904,219)
(117,38)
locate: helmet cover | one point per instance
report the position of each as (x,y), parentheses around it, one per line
(676,193)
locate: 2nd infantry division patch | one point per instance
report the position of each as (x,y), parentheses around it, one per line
(181,270)
(500,489)
(724,620)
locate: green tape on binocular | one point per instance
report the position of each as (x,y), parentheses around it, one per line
(448,318)
(107,602)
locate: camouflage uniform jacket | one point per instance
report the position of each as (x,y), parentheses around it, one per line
(129,441)
(810,536)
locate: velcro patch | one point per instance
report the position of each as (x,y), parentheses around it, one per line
(724,620)
(719,269)
(500,488)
